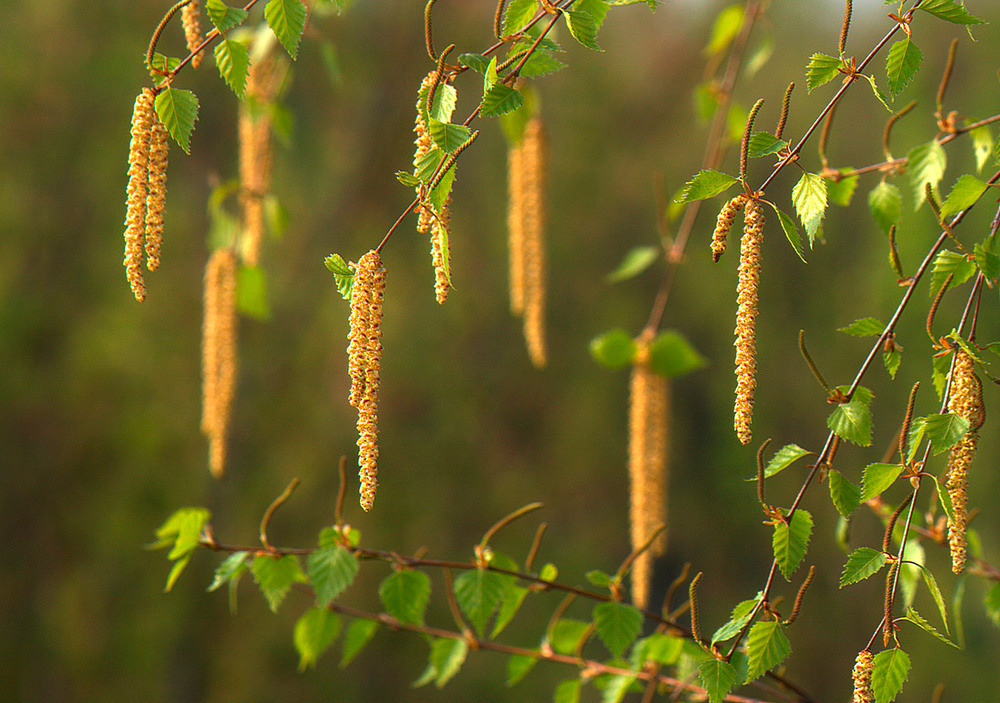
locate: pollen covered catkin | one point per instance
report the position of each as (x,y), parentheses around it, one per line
(965,400)
(648,426)
(219,355)
(364,363)
(724,224)
(862,677)
(254,128)
(156,196)
(191,22)
(746,318)
(136,193)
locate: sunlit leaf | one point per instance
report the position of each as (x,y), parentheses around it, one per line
(853,420)
(902,63)
(615,349)
(331,570)
(404,595)
(275,575)
(949,10)
(518,14)
(583,26)
(358,634)
(925,164)
(448,136)
(763,144)
(767,647)
(178,111)
(790,542)
(287,19)
(718,678)
(724,30)
(889,674)
(821,69)
(518,666)
(314,632)
(845,495)
(841,190)
(861,564)
(233,61)
(790,230)
(706,184)
(783,458)
(886,204)
(810,200)
(617,625)
(951,263)
(671,355)
(877,478)
(223,16)
(637,260)
(865,327)
(500,99)
(739,618)
(479,592)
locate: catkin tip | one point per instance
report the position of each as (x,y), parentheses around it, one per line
(862,677)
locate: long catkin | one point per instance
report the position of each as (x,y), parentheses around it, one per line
(256,153)
(137,191)
(219,354)
(965,400)
(746,319)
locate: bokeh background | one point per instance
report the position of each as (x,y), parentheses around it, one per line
(100,396)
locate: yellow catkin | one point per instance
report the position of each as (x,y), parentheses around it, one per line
(533,223)
(965,400)
(648,426)
(156,197)
(724,224)
(364,362)
(746,318)
(424,144)
(218,354)
(191,21)
(862,676)
(254,128)
(440,255)
(515,226)
(137,191)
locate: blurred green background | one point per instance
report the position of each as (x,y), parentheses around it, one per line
(100,396)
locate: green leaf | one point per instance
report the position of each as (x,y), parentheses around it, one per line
(583,26)
(251,292)
(617,625)
(448,136)
(790,542)
(790,230)
(659,647)
(845,495)
(518,14)
(917,619)
(343,275)
(782,459)
(182,530)
(500,99)
(287,19)
(275,575)
(599,578)
(425,166)
(616,687)
(865,327)
(331,570)
(809,199)
(178,111)
(162,64)
(223,16)
(877,478)
(925,164)
(861,564)
(477,62)
(982,145)
(615,349)
(541,63)
(992,604)
(889,674)
(936,594)
(479,592)
(821,69)
(232,568)
(359,633)
(886,204)
(233,60)
(763,143)
(705,184)
(514,596)
(902,64)
(949,262)
(892,359)
(518,666)
(853,420)
(724,30)
(404,595)
(767,647)
(314,632)
(841,190)
(877,93)
(988,258)
(671,355)
(446,658)
(718,678)
(739,618)
(566,635)
(966,191)
(568,691)
(943,430)
(949,10)
(637,260)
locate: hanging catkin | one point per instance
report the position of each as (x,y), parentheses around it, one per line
(156,196)
(218,350)
(648,425)
(256,153)
(137,191)
(724,224)
(364,362)
(862,677)
(191,21)
(746,318)
(526,244)
(965,400)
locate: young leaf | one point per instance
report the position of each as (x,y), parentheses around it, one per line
(718,678)
(223,16)
(988,258)
(935,592)
(783,458)
(583,26)
(275,575)
(892,359)
(233,60)
(992,604)
(617,625)
(230,569)
(314,632)
(447,657)
(790,542)
(865,327)
(500,99)
(671,355)
(705,184)
(790,230)
(964,193)
(886,204)
(599,578)
(514,596)
(614,349)
(659,647)
(331,570)
(359,633)
(725,28)
(845,495)
(841,190)
(637,260)
(982,145)
(917,619)
(343,275)
(287,19)
(902,64)
(926,164)
(479,592)
(739,618)
(889,674)
(566,635)
(767,647)
(178,111)
(949,262)
(877,478)
(616,687)
(949,10)
(568,691)
(763,143)
(404,595)
(853,420)
(809,199)
(518,14)
(861,564)
(541,63)
(518,666)
(943,430)
(251,292)
(448,136)
(821,69)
